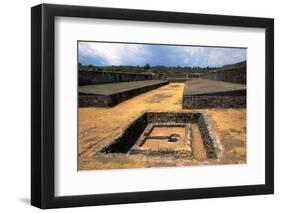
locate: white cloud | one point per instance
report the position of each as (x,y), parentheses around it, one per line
(222,56)
(114,53)
(210,56)
(192,51)
(138,54)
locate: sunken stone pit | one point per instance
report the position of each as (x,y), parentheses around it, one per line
(164,134)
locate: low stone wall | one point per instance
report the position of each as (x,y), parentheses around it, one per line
(92,100)
(89,100)
(172,117)
(201,102)
(177,80)
(202,93)
(206,138)
(97,77)
(129,136)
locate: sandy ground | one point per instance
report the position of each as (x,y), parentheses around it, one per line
(99,126)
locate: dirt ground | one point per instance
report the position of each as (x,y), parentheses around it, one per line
(99,126)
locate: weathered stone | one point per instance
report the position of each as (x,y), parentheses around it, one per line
(104,96)
(203,93)
(235,73)
(99,77)
(133,137)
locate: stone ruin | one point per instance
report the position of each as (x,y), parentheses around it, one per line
(163,134)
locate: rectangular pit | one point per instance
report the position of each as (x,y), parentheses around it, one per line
(141,136)
(161,138)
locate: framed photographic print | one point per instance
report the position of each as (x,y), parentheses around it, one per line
(139,106)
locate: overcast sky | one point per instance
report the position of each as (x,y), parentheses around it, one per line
(107,54)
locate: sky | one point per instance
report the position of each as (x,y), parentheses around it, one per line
(115,54)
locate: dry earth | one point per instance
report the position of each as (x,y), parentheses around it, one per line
(99,126)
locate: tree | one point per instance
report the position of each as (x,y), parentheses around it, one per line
(146,67)
(91,66)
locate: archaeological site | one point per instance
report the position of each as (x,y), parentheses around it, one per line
(161,116)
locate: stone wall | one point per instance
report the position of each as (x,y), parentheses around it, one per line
(206,138)
(92,100)
(234,74)
(201,102)
(97,77)
(203,93)
(129,136)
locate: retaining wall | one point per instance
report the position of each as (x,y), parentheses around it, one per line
(233,75)
(217,101)
(94,100)
(97,77)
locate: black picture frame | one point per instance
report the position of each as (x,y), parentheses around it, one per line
(43,102)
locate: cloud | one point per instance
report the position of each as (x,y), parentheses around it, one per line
(99,53)
(112,53)
(211,56)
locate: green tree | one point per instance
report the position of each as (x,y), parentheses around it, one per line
(91,66)
(146,67)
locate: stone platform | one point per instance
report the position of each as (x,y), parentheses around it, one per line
(204,93)
(108,95)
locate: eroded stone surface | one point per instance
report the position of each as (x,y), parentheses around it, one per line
(204,93)
(108,95)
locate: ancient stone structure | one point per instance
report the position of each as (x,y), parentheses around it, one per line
(139,131)
(177,78)
(203,93)
(195,75)
(235,73)
(108,95)
(100,77)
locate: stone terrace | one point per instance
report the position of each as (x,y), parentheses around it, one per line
(108,95)
(204,93)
